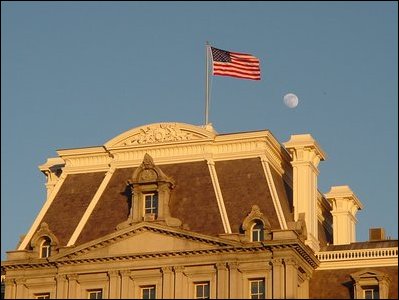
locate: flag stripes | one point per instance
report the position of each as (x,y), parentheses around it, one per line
(234,64)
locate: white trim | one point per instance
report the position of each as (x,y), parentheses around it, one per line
(219,196)
(365,258)
(91,207)
(349,264)
(273,192)
(42,212)
(176,143)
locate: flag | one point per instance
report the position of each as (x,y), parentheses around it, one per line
(240,65)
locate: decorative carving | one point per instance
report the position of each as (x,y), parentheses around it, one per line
(254,215)
(44,231)
(160,133)
(113,273)
(178,269)
(233,265)
(148,172)
(221,266)
(148,175)
(166,270)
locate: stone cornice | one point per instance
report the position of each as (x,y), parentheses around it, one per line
(175,143)
(293,245)
(219,246)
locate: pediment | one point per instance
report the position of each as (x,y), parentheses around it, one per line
(160,133)
(144,239)
(363,274)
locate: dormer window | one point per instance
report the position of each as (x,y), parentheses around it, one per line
(45,247)
(44,243)
(150,191)
(256,227)
(257,231)
(370,284)
(151,204)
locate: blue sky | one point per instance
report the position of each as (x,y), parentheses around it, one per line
(76,74)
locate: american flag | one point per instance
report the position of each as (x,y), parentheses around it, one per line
(241,65)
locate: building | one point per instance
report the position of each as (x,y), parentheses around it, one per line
(172,210)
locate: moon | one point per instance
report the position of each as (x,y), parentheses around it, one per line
(291,100)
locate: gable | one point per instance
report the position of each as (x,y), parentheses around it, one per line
(144,238)
(147,242)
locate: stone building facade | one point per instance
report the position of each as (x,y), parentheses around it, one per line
(172,210)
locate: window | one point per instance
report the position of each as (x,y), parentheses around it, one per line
(148,292)
(42,296)
(257,232)
(95,294)
(371,292)
(370,284)
(45,247)
(202,290)
(257,288)
(151,203)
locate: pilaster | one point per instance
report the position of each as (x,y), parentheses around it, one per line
(278,278)
(73,292)
(22,291)
(125,277)
(167,283)
(291,278)
(180,286)
(61,286)
(10,289)
(114,285)
(235,284)
(222,291)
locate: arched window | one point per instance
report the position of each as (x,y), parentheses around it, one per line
(45,247)
(257,231)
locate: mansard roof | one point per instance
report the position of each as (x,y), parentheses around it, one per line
(343,282)
(217,179)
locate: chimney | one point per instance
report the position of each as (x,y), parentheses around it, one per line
(345,205)
(306,155)
(376,234)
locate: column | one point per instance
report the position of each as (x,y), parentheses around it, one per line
(22,292)
(291,278)
(73,286)
(125,274)
(10,289)
(278,278)
(222,279)
(114,285)
(303,292)
(180,287)
(61,286)
(168,283)
(235,283)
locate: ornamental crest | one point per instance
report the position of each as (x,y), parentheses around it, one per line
(160,133)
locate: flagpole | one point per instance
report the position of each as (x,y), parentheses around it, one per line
(207,83)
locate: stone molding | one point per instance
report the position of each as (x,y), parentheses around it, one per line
(68,260)
(159,133)
(172,143)
(254,215)
(376,257)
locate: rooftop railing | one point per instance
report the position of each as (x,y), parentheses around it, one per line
(357,254)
